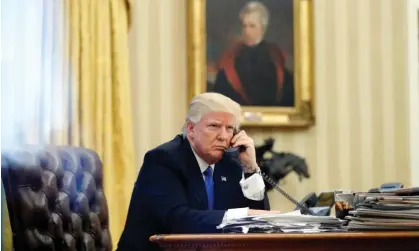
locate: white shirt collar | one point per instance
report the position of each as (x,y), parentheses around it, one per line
(257,42)
(203,165)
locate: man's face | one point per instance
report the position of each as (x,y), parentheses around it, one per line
(252,29)
(211,135)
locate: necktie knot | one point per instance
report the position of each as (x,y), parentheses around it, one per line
(208,171)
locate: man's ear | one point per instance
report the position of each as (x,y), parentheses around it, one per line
(190,128)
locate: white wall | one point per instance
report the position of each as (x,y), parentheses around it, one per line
(413,80)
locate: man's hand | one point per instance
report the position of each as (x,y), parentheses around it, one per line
(260,212)
(248,157)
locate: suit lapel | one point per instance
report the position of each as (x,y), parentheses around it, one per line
(226,173)
(194,175)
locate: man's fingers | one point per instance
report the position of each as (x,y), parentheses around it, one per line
(237,136)
(243,142)
(241,139)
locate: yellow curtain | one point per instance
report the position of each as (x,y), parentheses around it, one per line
(6,229)
(102,118)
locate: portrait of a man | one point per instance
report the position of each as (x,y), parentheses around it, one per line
(250,51)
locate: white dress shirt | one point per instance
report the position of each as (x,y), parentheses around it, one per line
(253,188)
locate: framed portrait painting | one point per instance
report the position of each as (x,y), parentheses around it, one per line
(258,53)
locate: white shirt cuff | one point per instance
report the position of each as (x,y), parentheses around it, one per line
(235,213)
(253,187)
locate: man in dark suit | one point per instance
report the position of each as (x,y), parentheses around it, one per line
(187,185)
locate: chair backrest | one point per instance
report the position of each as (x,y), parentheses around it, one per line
(56,199)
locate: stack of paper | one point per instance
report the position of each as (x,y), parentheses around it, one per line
(397,210)
(286,223)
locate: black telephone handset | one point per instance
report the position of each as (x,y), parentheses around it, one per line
(233,152)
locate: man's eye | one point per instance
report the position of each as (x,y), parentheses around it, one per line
(214,125)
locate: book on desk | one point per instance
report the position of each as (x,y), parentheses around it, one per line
(389,210)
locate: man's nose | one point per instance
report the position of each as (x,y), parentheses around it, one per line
(223,135)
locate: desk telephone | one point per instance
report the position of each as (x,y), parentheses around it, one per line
(303,206)
(311,204)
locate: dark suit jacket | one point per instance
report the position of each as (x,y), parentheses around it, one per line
(170,197)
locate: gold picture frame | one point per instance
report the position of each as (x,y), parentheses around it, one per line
(301,114)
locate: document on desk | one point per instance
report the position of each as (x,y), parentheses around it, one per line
(286,223)
(375,211)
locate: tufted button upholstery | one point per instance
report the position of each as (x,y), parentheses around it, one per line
(56,199)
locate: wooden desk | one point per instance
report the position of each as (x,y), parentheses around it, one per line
(349,241)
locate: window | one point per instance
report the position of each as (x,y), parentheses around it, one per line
(34,83)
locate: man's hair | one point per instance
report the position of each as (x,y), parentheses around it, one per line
(212,102)
(256,7)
